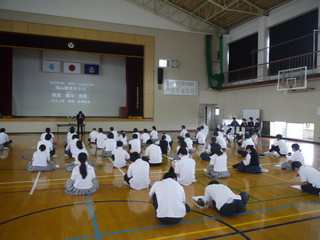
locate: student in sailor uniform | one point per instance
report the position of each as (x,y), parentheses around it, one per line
(154,134)
(123,138)
(49,145)
(279,147)
(189,143)
(83,178)
(296,156)
(135,144)
(153,154)
(115,133)
(251,162)
(244,144)
(93,136)
(217,168)
(144,137)
(207,153)
(168,198)
(185,168)
(120,156)
(4,139)
(168,139)
(138,173)
(309,178)
(221,198)
(164,145)
(75,153)
(41,161)
(101,138)
(110,144)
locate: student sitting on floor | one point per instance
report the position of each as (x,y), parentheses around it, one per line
(4,139)
(135,144)
(309,178)
(144,137)
(189,143)
(110,144)
(221,198)
(93,136)
(206,155)
(243,144)
(41,161)
(251,163)
(296,156)
(279,147)
(164,145)
(49,145)
(154,134)
(75,153)
(120,156)
(123,138)
(137,176)
(217,168)
(169,198)
(153,154)
(83,178)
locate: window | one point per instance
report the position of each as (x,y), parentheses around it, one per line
(304,131)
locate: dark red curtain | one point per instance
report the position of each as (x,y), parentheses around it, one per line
(6,82)
(134,75)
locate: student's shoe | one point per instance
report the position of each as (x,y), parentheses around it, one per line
(188,209)
(276,154)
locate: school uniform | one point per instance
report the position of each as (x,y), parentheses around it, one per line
(312,176)
(71,147)
(154,153)
(201,138)
(120,157)
(189,143)
(69,137)
(101,137)
(49,146)
(76,185)
(244,145)
(169,139)
(135,145)
(93,136)
(168,200)
(280,147)
(183,133)
(124,140)
(144,138)
(165,146)
(224,200)
(75,153)
(250,164)
(43,135)
(138,175)
(186,168)
(110,144)
(154,135)
(4,139)
(296,156)
(138,134)
(217,168)
(221,141)
(41,162)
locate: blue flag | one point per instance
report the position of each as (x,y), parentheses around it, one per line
(91,69)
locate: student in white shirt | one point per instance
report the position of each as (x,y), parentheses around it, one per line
(93,136)
(49,145)
(183,132)
(169,198)
(41,161)
(123,138)
(135,131)
(135,144)
(101,138)
(75,153)
(71,132)
(185,168)
(168,139)
(120,156)
(144,137)
(247,141)
(4,139)
(138,173)
(296,156)
(110,144)
(189,143)
(115,133)
(309,178)
(83,178)
(200,136)
(153,154)
(72,145)
(154,134)
(48,130)
(217,168)
(221,198)
(279,147)
(220,140)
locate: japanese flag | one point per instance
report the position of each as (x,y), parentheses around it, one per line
(70,67)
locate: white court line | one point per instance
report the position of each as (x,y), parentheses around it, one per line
(117,168)
(35,184)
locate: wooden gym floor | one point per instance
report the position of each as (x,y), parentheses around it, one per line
(35,206)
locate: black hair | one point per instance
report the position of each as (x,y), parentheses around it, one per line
(170,175)
(135,130)
(215,134)
(163,137)
(183,151)
(47,130)
(183,144)
(42,147)
(183,126)
(149,142)
(216,149)
(119,143)
(2,130)
(246,136)
(134,136)
(154,128)
(74,136)
(213,182)
(94,129)
(110,135)
(72,130)
(47,136)
(213,139)
(134,156)
(253,153)
(145,130)
(100,130)
(296,164)
(82,157)
(111,128)
(295,146)
(187,135)
(79,144)
(279,136)
(123,133)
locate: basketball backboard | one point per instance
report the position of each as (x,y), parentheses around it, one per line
(292,79)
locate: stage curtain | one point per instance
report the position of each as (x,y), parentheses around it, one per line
(6,82)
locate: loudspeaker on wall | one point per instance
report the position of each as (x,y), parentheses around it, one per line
(160,75)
